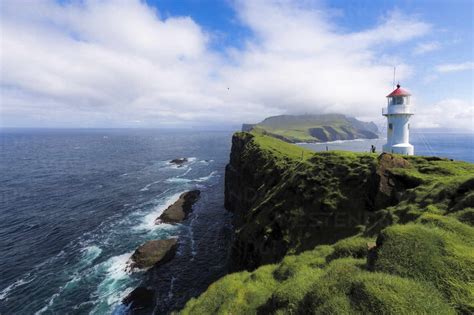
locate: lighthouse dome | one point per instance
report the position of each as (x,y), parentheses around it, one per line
(399,92)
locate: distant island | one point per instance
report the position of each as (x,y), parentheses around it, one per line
(314,128)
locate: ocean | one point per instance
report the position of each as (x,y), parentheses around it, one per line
(75,204)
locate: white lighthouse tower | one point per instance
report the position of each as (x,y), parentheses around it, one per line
(398,113)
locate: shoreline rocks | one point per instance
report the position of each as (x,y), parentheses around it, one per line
(153,253)
(179,161)
(179,210)
(140,298)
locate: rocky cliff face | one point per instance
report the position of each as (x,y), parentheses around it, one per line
(286,204)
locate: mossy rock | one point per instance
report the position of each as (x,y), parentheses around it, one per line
(153,253)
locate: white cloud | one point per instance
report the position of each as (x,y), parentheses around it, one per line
(396,27)
(119,63)
(449,113)
(454,67)
(422,48)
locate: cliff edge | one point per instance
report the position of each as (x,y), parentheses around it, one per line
(341,232)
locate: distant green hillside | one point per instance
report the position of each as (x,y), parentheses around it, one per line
(344,233)
(314,128)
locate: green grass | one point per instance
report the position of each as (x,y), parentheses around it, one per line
(434,249)
(423,261)
(466,215)
(356,247)
(238,293)
(307,284)
(379,293)
(282,151)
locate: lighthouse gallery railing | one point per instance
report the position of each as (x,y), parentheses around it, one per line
(398,109)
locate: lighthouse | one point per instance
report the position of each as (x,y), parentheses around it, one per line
(398,113)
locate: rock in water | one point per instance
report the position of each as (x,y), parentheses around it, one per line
(179,210)
(153,253)
(179,161)
(140,298)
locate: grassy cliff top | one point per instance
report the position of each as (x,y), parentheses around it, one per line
(412,257)
(283,152)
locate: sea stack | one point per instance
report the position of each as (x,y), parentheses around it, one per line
(179,210)
(153,253)
(179,161)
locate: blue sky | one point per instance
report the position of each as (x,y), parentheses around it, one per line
(164,63)
(451,34)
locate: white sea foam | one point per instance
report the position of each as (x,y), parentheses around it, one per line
(116,281)
(16,284)
(206,161)
(115,284)
(90,253)
(68,284)
(206,178)
(180,180)
(147,187)
(116,266)
(185,173)
(191,236)
(29,277)
(170,292)
(50,303)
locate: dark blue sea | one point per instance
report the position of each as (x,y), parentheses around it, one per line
(75,204)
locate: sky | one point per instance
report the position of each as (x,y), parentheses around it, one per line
(203,63)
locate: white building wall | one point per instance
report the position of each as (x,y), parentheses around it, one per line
(398,136)
(401,131)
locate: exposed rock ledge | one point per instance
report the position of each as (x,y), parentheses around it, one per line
(179,210)
(152,253)
(179,161)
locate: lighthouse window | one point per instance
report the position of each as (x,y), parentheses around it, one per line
(399,100)
(390,126)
